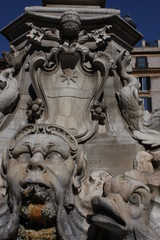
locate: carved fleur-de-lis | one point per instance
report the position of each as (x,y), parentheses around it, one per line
(69,75)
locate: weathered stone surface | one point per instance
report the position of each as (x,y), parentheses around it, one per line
(67,142)
(40,197)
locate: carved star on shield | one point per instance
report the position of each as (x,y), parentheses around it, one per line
(69,75)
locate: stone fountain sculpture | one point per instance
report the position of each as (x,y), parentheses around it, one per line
(79,154)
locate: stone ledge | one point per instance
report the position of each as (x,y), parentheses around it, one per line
(100,3)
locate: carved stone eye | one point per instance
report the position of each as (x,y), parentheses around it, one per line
(54,154)
(23,157)
(135,199)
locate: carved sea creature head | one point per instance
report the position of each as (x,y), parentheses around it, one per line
(5,76)
(3,79)
(124,208)
(41,169)
(70,25)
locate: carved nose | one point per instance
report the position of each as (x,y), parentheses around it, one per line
(36,167)
(36,163)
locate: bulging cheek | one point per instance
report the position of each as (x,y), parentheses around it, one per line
(14,188)
(61,177)
(69,164)
(15,177)
(64,176)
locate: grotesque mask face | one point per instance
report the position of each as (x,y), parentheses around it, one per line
(39,172)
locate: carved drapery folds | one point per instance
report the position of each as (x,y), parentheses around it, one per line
(49,192)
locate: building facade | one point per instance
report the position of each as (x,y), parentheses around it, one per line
(146,66)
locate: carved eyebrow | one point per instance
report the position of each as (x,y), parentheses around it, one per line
(53,146)
(29,145)
(19,149)
(46,147)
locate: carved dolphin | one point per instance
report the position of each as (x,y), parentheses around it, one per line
(129,102)
(124,210)
(9,91)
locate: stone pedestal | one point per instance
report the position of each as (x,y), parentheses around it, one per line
(112,143)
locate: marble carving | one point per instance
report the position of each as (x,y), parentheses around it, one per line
(9,94)
(47,191)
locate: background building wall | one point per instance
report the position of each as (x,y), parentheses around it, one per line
(146,66)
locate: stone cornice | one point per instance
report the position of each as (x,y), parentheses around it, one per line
(147,50)
(80,10)
(146,71)
(100,3)
(90,18)
(144,93)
